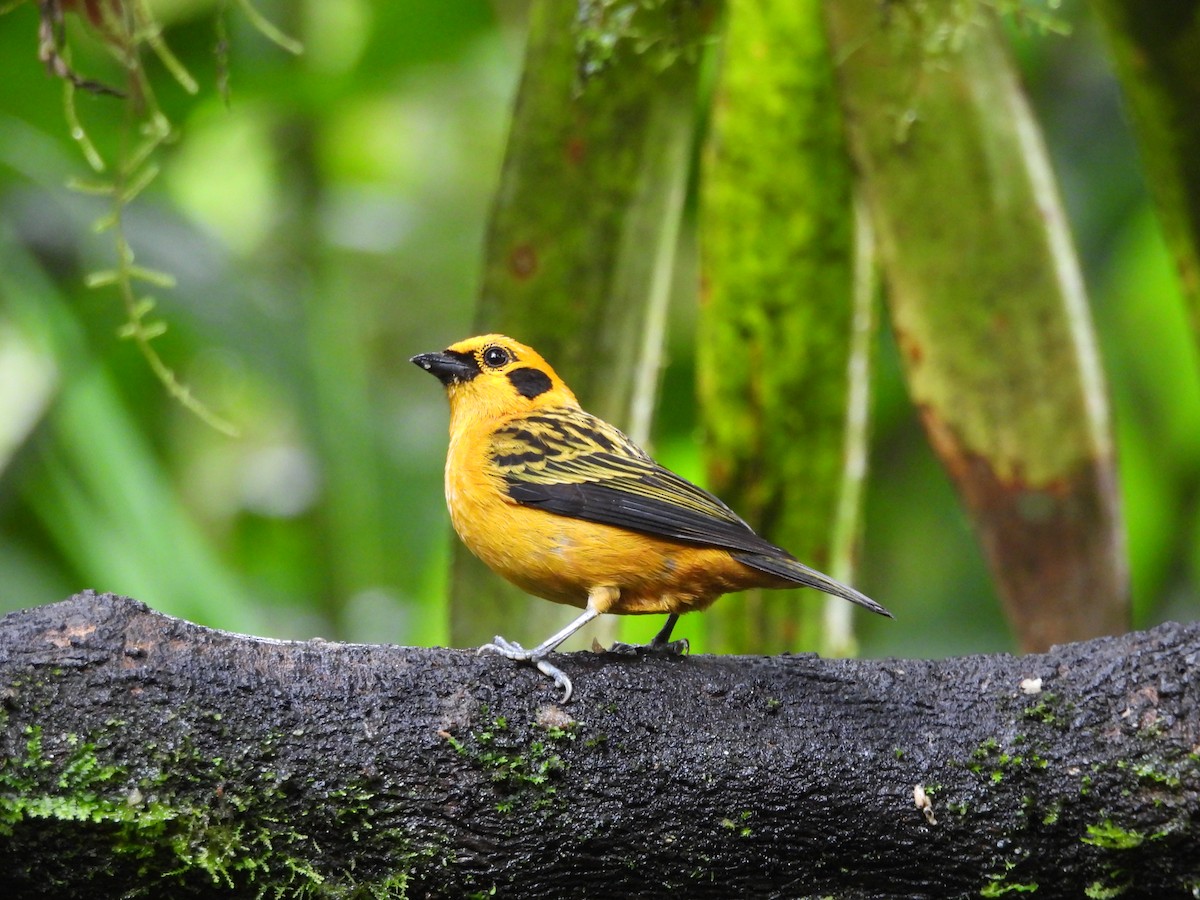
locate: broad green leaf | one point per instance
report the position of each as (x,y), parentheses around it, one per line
(95,485)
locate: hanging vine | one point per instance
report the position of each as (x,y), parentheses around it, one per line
(127,29)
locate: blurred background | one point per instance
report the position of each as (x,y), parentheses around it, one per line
(323,218)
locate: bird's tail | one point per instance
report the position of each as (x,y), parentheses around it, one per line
(796,572)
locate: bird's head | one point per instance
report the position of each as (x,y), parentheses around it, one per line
(492,376)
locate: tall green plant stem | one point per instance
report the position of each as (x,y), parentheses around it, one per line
(777,330)
(1156,48)
(988,305)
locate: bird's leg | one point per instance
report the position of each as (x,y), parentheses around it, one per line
(538,654)
(661,642)
(663,638)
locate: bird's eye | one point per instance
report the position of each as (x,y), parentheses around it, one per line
(495,357)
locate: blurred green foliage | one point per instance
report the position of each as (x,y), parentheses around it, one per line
(325,224)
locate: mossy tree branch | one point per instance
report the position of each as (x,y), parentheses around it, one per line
(145,756)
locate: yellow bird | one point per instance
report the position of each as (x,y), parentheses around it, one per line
(568,508)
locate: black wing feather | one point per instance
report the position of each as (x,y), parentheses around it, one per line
(570,463)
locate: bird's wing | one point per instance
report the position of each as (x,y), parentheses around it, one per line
(571,463)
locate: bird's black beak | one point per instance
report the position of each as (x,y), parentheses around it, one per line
(447,366)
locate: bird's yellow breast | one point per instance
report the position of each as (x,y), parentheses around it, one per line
(561,558)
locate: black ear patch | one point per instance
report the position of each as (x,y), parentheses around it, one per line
(529,382)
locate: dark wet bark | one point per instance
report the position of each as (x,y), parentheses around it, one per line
(147,756)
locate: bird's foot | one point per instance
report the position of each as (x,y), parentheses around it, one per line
(679,647)
(514,651)
(508,649)
(651,648)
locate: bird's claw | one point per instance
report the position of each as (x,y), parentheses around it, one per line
(506,648)
(666,648)
(514,651)
(620,648)
(679,647)
(561,681)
